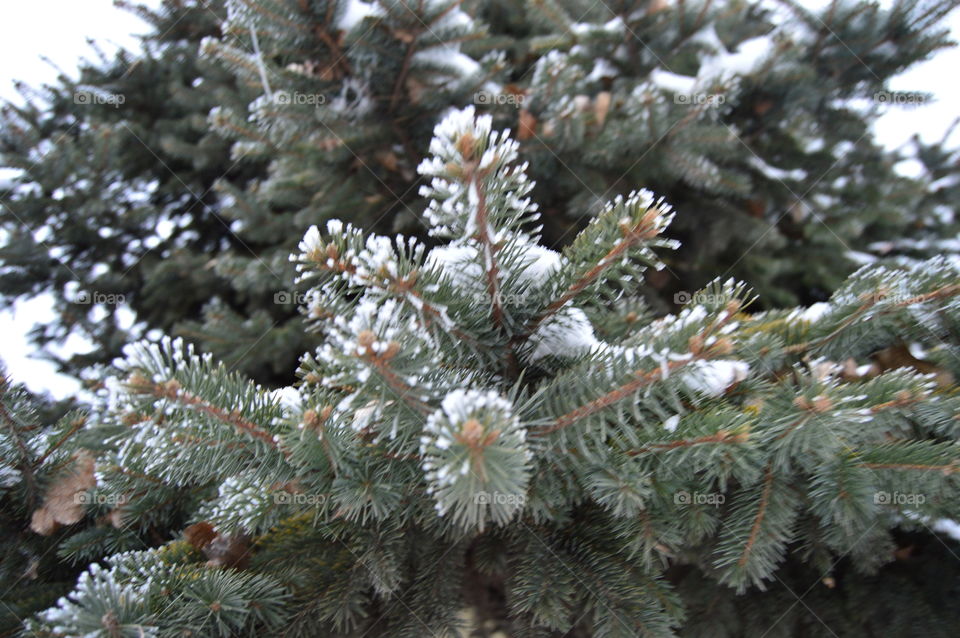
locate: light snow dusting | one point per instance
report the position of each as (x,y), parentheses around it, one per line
(569,333)
(355,12)
(670,425)
(714,378)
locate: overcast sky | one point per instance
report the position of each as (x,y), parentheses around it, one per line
(59,29)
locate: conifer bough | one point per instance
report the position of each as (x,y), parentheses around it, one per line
(491,411)
(244,121)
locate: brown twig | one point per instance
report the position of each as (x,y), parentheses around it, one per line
(761,514)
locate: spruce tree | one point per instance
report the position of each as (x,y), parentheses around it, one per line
(245,122)
(492,424)
(752,118)
(114,206)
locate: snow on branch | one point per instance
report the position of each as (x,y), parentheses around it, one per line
(475,458)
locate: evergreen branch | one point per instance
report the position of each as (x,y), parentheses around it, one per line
(898,402)
(872,300)
(138,475)
(761,513)
(404,287)
(15,429)
(940,293)
(330,259)
(172,391)
(212,442)
(723,436)
(947,469)
(555,14)
(492,271)
(643,379)
(396,384)
(75,426)
(241,132)
(313,420)
(578,286)
(434,312)
(275,17)
(335,51)
(633,234)
(402,76)
(406,455)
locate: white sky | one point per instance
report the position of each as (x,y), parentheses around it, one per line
(58,29)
